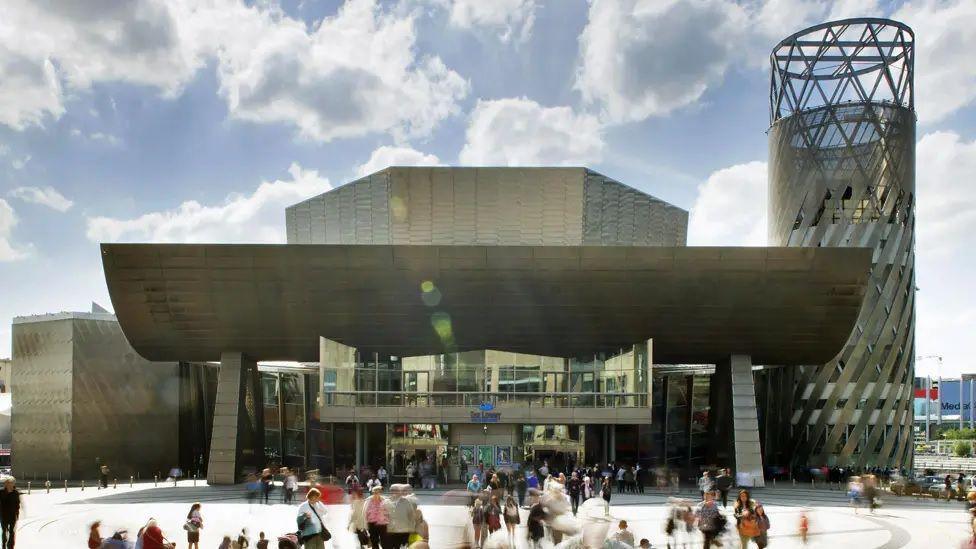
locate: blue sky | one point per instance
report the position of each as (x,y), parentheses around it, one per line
(194,121)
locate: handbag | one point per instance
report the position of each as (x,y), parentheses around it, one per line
(326,535)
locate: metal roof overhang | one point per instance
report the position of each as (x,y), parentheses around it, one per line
(782,306)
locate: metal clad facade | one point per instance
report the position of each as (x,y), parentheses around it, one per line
(486,206)
(842,174)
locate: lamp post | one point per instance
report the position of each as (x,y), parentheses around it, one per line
(928,395)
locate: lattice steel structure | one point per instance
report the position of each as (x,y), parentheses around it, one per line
(842,173)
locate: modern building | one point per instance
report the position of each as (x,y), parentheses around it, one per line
(842,174)
(82,398)
(463,314)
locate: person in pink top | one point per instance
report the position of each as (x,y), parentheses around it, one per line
(377,518)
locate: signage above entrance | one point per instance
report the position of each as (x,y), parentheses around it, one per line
(485,415)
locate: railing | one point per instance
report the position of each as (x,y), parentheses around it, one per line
(943,447)
(475,399)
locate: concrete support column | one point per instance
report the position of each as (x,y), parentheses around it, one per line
(745,423)
(359,446)
(229,415)
(613,442)
(605,442)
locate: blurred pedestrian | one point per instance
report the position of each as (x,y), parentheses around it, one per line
(706,484)
(267,484)
(243,542)
(605,494)
(478,521)
(804,526)
(401,512)
(711,522)
(225,543)
(311,524)
(291,484)
(94,537)
(493,515)
(357,517)
(723,483)
(512,518)
(262,541)
(153,538)
(194,522)
(377,518)
(762,520)
(745,518)
(421,530)
(9,512)
(623,535)
(574,486)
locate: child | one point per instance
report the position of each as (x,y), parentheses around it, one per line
(804,526)
(262,543)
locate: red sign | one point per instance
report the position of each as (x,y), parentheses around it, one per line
(933,393)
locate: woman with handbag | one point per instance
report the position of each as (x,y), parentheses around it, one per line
(153,538)
(762,520)
(311,523)
(194,522)
(745,518)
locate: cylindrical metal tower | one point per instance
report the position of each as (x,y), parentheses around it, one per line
(842,173)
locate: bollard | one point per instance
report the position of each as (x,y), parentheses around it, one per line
(155,480)
(66,486)
(28,487)
(82,485)
(194,479)
(174,482)
(47,484)
(774,482)
(115,483)
(130,481)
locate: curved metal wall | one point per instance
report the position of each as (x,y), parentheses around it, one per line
(842,173)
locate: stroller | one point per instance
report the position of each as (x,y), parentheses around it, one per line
(288,541)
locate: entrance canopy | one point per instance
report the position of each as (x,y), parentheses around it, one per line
(782,306)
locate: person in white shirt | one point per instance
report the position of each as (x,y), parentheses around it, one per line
(623,535)
(372,483)
(381,474)
(311,520)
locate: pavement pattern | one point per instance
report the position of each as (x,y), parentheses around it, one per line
(61,518)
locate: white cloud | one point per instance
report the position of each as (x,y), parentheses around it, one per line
(945,223)
(8,219)
(352,74)
(510,18)
(43,44)
(641,58)
(241,218)
(386,156)
(348,75)
(730,209)
(520,132)
(45,196)
(945,68)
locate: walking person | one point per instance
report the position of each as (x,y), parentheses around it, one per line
(521,486)
(377,519)
(723,483)
(311,525)
(9,512)
(706,484)
(605,494)
(711,522)
(512,518)
(94,536)
(478,521)
(267,483)
(357,518)
(381,474)
(291,484)
(153,538)
(194,522)
(103,476)
(762,520)
(535,524)
(493,515)
(746,522)
(574,486)
(401,512)
(243,542)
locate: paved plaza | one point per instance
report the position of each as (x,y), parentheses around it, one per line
(61,519)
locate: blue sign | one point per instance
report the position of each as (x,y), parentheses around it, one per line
(486,407)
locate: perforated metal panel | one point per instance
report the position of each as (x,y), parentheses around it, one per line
(487,206)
